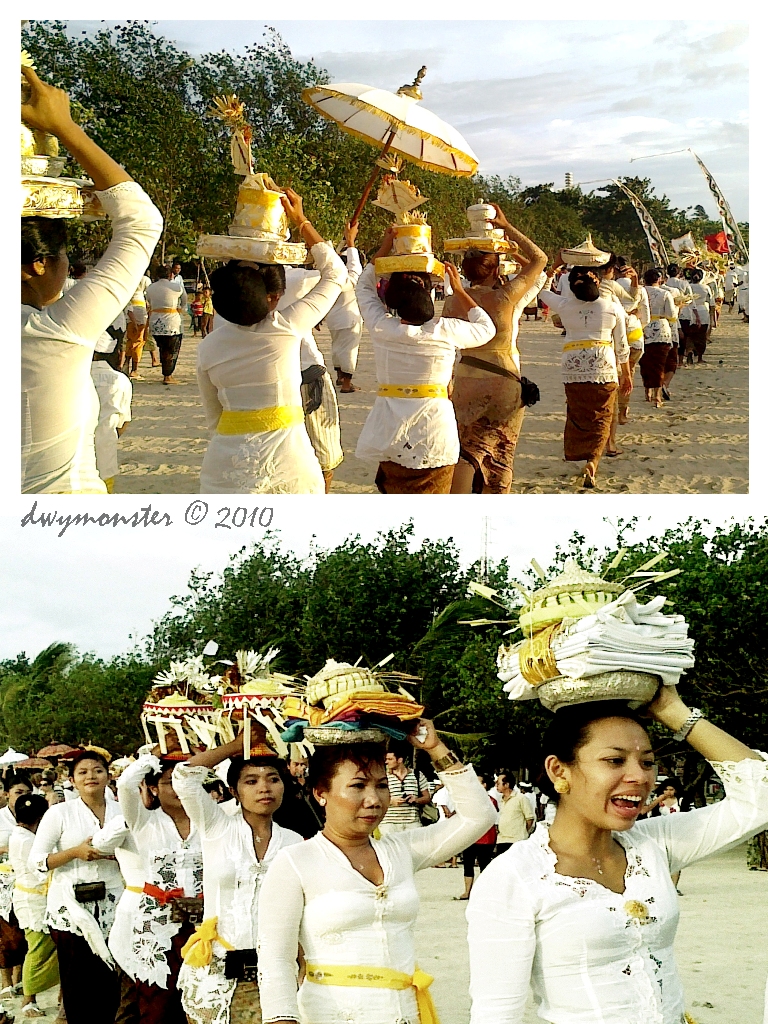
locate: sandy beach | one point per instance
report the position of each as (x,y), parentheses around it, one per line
(696,444)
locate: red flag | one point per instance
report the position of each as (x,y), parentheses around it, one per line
(718,242)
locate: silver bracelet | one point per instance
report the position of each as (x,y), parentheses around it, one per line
(687,725)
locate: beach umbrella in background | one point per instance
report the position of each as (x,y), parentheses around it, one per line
(11,756)
(57,750)
(394,123)
(34,762)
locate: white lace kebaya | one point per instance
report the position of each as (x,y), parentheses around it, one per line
(591,955)
(62,827)
(232,878)
(169,862)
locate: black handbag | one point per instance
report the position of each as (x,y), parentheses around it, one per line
(312,384)
(90,892)
(241,964)
(187,910)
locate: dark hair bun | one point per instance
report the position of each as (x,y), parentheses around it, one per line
(240,293)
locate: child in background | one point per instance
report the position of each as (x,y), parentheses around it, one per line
(197,307)
(206,323)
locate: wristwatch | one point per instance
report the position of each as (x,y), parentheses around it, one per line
(442,764)
(687,725)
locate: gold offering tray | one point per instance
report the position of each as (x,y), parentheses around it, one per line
(423,263)
(482,244)
(259,250)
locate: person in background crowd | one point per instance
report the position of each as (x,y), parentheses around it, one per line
(41,967)
(166,299)
(196,308)
(115,392)
(299,811)
(516,819)
(408,791)
(481,851)
(206,320)
(13,945)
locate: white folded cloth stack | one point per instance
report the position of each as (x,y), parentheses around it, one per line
(622,636)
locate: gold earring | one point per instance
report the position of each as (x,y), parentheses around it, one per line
(562,786)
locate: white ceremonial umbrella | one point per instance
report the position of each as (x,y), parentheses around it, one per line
(397,123)
(11,756)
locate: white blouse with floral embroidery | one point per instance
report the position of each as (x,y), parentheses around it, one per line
(596,338)
(169,862)
(591,955)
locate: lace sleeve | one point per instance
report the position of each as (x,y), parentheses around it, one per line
(694,835)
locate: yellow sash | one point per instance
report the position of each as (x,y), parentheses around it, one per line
(198,949)
(163,310)
(635,335)
(379,977)
(255,421)
(413,391)
(134,888)
(658,317)
(591,343)
(41,890)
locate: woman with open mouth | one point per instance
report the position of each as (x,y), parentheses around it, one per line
(585,911)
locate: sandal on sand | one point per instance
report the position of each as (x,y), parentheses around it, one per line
(588,481)
(461,899)
(32,1010)
(350,390)
(612,453)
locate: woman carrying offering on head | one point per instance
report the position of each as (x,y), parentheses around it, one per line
(411,430)
(487,393)
(350,900)
(585,911)
(249,373)
(218,977)
(84,889)
(59,405)
(169,846)
(595,365)
(657,336)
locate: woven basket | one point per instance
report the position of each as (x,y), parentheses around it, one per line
(327,736)
(636,687)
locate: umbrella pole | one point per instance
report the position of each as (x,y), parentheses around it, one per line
(371,181)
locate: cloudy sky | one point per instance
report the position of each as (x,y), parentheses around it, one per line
(538,98)
(94,587)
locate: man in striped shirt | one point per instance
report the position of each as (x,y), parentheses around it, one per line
(408,792)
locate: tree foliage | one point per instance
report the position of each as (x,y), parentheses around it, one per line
(364,600)
(145,100)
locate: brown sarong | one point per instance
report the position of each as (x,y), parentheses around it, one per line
(696,338)
(489,414)
(652,364)
(13,944)
(588,420)
(671,364)
(392,478)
